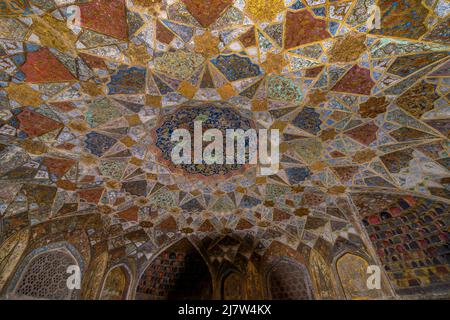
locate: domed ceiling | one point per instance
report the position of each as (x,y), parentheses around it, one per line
(87,103)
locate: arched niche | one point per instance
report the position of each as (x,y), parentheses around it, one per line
(289,280)
(352,273)
(116,285)
(232,287)
(178,273)
(44,274)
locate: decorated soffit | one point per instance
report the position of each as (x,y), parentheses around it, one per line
(84,101)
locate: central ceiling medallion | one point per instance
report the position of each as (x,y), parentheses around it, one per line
(212,116)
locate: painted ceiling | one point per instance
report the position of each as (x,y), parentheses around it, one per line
(363,115)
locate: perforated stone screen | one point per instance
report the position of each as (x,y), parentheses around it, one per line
(46,277)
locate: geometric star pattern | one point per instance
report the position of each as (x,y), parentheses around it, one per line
(359,111)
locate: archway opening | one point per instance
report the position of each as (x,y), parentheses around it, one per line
(289,280)
(178,273)
(116,284)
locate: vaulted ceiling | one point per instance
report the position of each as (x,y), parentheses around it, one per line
(363,118)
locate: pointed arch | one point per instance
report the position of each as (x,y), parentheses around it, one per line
(117,284)
(352,273)
(177,273)
(289,280)
(43,274)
